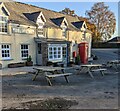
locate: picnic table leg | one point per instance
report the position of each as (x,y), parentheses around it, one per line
(90,73)
(48,80)
(62,70)
(102,72)
(36,74)
(66,79)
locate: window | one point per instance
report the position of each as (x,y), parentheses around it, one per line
(57,52)
(40,32)
(64,32)
(40,23)
(84,36)
(5,51)
(84,26)
(64,52)
(3,24)
(54,53)
(39,48)
(24,51)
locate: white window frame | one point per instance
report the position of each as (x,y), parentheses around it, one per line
(64,31)
(5,25)
(55,55)
(59,56)
(64,52)
(40,27)
(24,50)
(40,32)
(6,48)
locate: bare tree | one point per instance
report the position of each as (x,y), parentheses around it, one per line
(104,20)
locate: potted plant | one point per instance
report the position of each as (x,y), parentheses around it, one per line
(29,61)
(49,63)
(77,60)
(71,63)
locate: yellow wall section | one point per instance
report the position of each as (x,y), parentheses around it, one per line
(15,41)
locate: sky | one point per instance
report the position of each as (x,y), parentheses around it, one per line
(79,7)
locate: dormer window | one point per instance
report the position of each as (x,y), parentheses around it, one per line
(64,31)
(84,26)
(3,24)
(64,27)
(41,22)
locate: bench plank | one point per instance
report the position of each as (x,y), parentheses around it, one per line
(101,70)
(48,77)
(58,75)
(98,70)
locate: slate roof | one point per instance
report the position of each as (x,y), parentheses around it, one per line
(58,21)
(32,16)
(78,24)
(26,14)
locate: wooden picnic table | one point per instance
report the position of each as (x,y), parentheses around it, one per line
(93,68)
(114,64)
(51,72)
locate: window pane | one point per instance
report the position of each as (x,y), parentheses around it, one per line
(24,51)
(3,24)
(5,51)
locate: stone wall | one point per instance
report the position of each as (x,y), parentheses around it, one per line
(44,48)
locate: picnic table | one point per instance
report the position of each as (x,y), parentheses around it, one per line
(51,72)
(90,68)
(114,63)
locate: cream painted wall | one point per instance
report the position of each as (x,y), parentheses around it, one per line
(77,36)
(55,33)
(15,40)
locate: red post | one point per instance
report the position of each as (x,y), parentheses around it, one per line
(74,54)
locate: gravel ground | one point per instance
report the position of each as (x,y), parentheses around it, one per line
(82,92)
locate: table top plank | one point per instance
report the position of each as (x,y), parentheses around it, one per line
(91,65)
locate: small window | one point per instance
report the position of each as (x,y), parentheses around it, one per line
(24,51)
(3,24)
(39,48)
(64,52)
(84,26)
(42,18)
(5,51)
(40,32)
(64,32)
(83,36)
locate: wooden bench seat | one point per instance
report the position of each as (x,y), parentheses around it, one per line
(58,75)
(101,70)
(48,77)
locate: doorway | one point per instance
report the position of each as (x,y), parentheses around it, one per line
(39,54)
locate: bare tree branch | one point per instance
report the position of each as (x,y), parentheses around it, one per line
(103,19)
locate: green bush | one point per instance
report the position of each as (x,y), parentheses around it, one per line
(29,58)
(77,59)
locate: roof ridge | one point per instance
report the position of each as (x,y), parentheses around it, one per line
(46,9)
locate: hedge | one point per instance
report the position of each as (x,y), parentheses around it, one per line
(105,45)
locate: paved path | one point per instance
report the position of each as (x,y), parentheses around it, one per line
(105,55)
